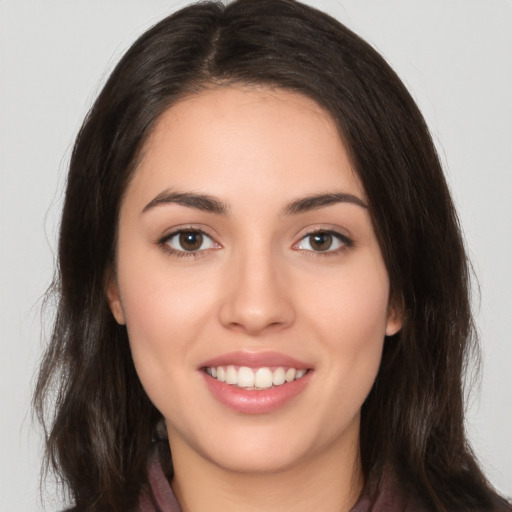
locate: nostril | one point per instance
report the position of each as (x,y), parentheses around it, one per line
(257,298)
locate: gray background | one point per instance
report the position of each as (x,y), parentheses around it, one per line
(454,55)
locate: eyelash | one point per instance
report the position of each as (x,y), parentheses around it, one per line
(346,243)
(164,243)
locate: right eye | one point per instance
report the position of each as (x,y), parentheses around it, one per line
(189,241)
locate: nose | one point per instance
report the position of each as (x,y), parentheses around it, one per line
(257,297)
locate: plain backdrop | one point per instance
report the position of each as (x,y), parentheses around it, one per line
(454,55)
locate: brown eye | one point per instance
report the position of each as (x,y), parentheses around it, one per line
(324,241)
(190,240)
(320,241)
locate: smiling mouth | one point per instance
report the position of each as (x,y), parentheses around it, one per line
(254,378)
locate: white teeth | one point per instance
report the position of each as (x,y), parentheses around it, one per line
(231,375)
(279,377)
(245,377)
(260,378)
(300,373)
(263,378)
(290,374)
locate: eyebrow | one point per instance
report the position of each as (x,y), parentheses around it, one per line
(210,204)
(202,202)
(315,202)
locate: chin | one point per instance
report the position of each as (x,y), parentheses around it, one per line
(258,459)
(255,448)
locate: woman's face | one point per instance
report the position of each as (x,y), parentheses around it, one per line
(246,254)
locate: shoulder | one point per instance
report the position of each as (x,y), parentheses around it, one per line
(386,494)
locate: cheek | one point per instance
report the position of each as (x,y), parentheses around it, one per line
(163,312)
(351,304)
(157,300)
(350,313)
(161,330)
(161,321)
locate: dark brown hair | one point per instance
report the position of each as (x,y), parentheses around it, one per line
(412,421)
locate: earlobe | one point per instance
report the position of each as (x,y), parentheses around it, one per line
(114,301)
(394,321)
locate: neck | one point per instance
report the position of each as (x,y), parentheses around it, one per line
(331,480)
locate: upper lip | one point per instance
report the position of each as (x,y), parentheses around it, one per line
(255,360)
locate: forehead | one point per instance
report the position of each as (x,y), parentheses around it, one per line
(245,140)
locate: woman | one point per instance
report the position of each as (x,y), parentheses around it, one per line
(251,280)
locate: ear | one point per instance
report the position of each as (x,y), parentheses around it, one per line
(114,300)
(394,320)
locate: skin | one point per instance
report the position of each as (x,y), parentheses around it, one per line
(256,284)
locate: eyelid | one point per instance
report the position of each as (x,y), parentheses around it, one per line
(346,241)
(163,241)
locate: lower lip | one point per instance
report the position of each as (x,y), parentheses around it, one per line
(256,401)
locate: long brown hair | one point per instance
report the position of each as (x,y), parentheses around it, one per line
(97,417)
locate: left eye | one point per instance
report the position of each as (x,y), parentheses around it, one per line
(190,241)
(322,241)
